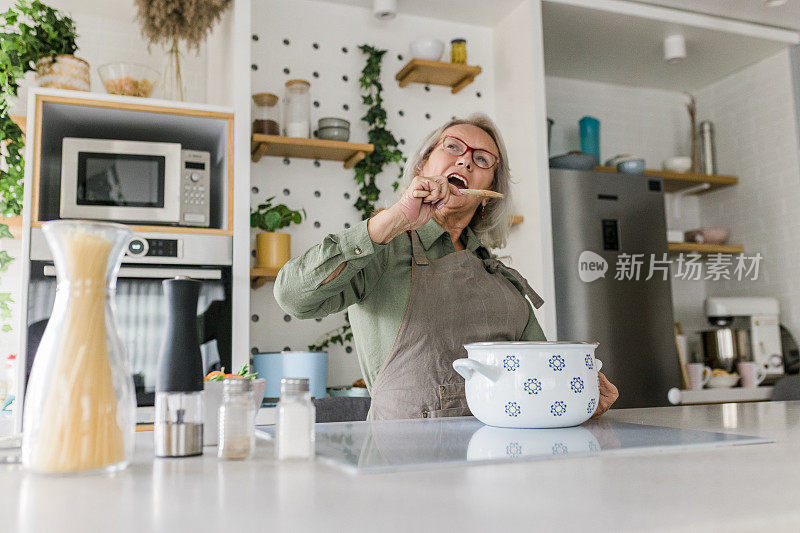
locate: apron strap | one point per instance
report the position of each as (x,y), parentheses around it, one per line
(493,265)
(417,249)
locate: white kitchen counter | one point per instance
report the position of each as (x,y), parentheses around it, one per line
(733,488)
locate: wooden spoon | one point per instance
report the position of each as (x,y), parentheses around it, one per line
(483,193)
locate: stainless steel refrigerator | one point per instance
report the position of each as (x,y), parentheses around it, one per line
(610,214)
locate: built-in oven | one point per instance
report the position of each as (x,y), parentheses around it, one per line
(141,309)
(135,181)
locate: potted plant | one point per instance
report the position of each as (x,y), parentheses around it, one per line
(273,249)
(36,36)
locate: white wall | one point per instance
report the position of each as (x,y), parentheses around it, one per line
(756,139)
(107,32)
(334,26)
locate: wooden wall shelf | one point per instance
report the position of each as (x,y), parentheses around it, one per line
(261,276)
(679,181)
(276,145)
(453,75)
(701,248)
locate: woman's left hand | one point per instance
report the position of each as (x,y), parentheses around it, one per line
(608,395)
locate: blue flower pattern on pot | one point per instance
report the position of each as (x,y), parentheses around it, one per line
(557,363)
(558,408)
(589,362)
(559,448)
(532,386)
(513,409)
(511,363)
(592,406)
(513,450)
(576,385)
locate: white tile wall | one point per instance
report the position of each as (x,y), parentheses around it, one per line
(111,34)
(756,139)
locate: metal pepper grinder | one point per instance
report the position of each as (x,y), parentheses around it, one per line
(179,384)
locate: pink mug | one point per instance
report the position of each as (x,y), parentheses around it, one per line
(699,374)
(752,374)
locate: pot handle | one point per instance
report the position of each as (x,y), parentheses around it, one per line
(599,364)
(468,367)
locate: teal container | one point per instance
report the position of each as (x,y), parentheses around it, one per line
(590,137)
(275,366)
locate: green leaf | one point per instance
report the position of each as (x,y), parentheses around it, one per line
(5,233)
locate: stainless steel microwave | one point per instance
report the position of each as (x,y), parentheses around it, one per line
(135,181)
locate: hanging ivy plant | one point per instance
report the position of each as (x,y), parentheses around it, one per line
(386,152)
(386,149)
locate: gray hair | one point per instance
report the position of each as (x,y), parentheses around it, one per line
(492,229)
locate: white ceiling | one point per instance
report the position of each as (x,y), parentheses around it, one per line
(596,45)
(475,12)
(785,16)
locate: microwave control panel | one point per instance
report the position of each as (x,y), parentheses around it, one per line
(195,188)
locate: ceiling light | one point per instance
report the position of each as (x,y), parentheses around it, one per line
(674,48)
(384,9)
(774,3)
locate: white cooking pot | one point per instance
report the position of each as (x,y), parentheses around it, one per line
(531,384)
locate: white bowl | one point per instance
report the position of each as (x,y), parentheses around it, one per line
(531,384)
(427,48)
(723,382)
(678,163)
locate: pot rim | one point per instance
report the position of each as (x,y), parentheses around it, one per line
(530,343)
(63,55)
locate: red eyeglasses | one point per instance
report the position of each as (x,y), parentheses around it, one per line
(457,147)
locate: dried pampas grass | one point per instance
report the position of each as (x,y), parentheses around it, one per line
(167,21)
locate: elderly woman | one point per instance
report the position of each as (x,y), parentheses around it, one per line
(419,280)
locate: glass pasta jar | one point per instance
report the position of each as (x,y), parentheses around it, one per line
(297,102)
(265,114)
(458,51)
(79,410)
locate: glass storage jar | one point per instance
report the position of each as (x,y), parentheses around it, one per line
(266,113)
(80,409)
(458,51)
(297,102)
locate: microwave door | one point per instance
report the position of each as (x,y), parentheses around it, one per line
(126,181)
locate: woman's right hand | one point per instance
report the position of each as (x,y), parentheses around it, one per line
(409,212)
(418,211)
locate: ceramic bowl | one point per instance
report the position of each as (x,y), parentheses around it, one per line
(493,444)
(708,235)
(333,122)
(680,163)
(722,382)
(574,161)
(631,166)
(333,134)
(427,48)
(531,384)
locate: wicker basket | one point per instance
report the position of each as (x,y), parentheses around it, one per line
(65,72)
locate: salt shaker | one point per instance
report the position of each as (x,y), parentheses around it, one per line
(296,417)
(236,419)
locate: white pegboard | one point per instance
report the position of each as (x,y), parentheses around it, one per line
(320,187)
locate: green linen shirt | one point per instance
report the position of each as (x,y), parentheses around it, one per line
(374,285)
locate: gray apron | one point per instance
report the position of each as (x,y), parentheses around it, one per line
(454,300)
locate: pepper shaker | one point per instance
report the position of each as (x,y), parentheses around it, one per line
(236,419)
